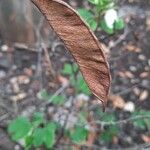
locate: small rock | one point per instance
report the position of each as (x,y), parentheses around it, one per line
(4,48)
(30,110)
(141,57)
(133,68)
(23,79)
(83,97)
(143,95)
(68,103)
(128,74)
(144,74)
(136,91)
(2,74)
(129,106)
(18,97)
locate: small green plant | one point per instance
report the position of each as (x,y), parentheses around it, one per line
(103,15)
(76,79)
(109,130)
(78,135)
(35,133)
(142,123)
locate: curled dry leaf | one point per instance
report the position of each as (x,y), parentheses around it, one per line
(81,42)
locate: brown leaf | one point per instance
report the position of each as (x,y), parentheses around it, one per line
(132,48)
(117,101)
(81,42)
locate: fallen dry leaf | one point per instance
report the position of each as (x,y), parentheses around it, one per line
(132,48)
(117,101)
(81,42)
(18,97)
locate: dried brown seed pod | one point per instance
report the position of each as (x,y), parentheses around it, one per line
(81,42)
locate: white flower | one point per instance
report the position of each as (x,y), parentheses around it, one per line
(110,17)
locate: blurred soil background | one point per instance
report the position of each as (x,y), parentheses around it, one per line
(32,59)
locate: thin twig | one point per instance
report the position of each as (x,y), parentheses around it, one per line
(127,90)
(59,91)
(65,122)
(48,62)
(120,39)
(119,122)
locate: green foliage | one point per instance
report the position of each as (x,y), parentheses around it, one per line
(104,26)
(119,24)
(106,117)
(19,128)
(78,135)
(38,137)
(37,119)
(108,134)
(81,86)
(76,79)
(142,123)
(82,117)
(44,136)
(103,15)
(69,69)
(88,17)
(32,132)
(58,100)
(43,94)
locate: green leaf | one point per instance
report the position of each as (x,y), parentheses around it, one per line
(67,70)
(43,94)
(89,18)
(49,135)
(141,123)
(119,24)
(93,24)
(75,67)
(108,117)
(82,117)
(147,120)
(38,135)
(79,135)
(94,1)
(85,14)
(109,133)
(106,28)
(58,100)
(28,142)
(81,86)
(38,118)
(19,128)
